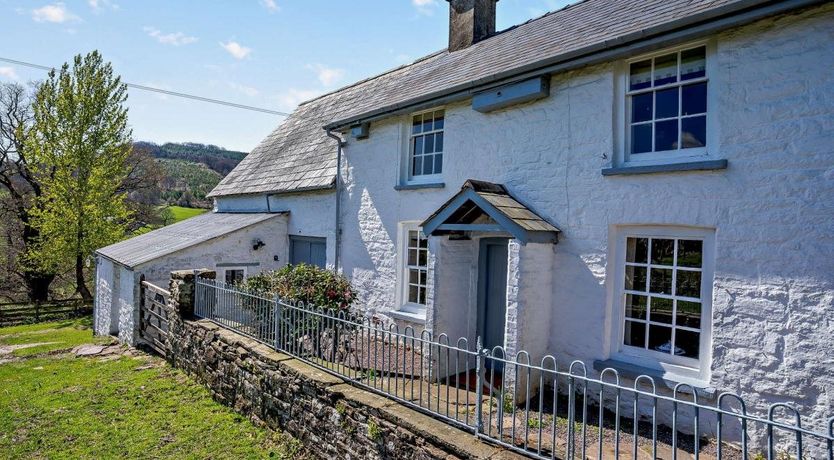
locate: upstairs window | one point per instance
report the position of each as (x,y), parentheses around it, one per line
(666,103)
(425,158)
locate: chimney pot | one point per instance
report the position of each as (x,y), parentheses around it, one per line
(470,21)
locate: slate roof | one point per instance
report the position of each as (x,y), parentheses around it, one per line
(298,156)
(182,235)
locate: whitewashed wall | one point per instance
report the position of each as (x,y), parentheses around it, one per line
(117,286)
(233,248)
(127,302)
(773,312)
(103,311)
(310,214)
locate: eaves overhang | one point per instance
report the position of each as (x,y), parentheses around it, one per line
(627,45)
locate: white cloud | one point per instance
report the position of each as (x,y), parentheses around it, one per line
(271,5)
(247,90)
(425,6)
(289,99)
(175,38)
(328,76)
(98,5)
(9,73)
(56,12)
(237,50)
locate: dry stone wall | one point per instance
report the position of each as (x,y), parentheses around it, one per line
(332,418)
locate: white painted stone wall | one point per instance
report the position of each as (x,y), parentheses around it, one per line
(127,302)
(773,305)
(454,280)
(310,214)
(234,248)
(103,307)
(117,286)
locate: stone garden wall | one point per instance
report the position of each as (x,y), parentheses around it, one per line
(330,417)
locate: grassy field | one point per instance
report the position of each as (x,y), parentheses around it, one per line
(180,213)
(128,405)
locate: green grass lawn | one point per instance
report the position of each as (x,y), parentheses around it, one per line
(180,213)
(57,336)
(55,405)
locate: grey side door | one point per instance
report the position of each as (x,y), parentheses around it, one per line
(308,250)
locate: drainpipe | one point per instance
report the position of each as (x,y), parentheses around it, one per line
(338,236)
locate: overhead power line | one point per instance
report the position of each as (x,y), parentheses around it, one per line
(165,91)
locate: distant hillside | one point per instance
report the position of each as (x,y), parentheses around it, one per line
(190,170)
(216,158)
(185,177)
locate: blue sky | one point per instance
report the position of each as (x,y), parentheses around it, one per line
(267,53)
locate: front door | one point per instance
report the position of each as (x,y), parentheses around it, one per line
(492,287)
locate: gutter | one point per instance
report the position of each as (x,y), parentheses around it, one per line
(714,20)
(338,185)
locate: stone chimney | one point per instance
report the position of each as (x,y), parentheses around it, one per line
(470,21)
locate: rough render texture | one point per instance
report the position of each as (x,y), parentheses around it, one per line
(311,214)
(234,248)
(103,307)
(127,302)
(331,418)
(116,284)
(773,306)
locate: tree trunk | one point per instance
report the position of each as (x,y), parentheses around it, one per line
(37,285)
(80,284)
(37,281)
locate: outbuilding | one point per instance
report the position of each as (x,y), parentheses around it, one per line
(235,245)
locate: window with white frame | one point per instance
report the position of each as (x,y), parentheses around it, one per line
(415,253)
(665,295)
(425,146)
(234,275)
(666,103)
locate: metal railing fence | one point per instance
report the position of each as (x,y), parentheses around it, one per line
(536,408)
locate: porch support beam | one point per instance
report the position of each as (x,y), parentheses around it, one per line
(471,227)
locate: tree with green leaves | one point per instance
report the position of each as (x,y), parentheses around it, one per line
(80,144)
(19,192)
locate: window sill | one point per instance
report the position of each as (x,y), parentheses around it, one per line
(632,371)
(419,186)
(704,165)
(411,313)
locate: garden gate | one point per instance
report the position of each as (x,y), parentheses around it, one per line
(153,319)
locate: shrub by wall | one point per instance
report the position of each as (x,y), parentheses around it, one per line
(305,283)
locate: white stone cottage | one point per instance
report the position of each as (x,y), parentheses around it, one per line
(641,184)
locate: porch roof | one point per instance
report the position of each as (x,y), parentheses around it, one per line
(486,207)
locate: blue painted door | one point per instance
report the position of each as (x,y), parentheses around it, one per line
(308,250)
(492,282)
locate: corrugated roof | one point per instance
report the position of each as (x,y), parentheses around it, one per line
(167,240)
(298,156)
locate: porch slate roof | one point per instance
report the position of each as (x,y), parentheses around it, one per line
(484,206)
(168,240)
(297,155)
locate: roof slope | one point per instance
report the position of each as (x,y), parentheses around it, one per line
(167,240)
(298,156)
